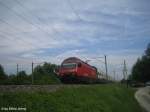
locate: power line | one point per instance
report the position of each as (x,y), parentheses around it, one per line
(34,14)
(13,28)
(39,63)
(10,38)
(23,18)
(98,60)
(106,68)
(17,29)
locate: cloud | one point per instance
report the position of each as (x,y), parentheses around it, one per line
(51,31)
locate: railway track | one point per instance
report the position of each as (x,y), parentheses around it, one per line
(35,88)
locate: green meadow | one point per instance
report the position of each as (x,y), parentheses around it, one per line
(86,98)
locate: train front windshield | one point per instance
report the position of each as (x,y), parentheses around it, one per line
(69,65)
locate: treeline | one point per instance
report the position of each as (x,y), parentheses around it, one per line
(141,69)
(41,75)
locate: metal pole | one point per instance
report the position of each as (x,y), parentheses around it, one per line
(17,69)
(124,70)
(32,74)
(106,67)
(114,75)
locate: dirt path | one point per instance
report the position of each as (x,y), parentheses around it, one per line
(143,97)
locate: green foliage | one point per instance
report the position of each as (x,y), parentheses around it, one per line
(12,79)
(42,75)
(147,52)
(22,78)
(91,98)
(3,76)
(2,73)
(141,71)
(45,74)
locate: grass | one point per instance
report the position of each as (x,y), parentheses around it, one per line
(90,98)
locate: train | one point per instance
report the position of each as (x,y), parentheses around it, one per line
(74,70)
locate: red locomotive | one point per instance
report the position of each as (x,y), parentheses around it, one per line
(75,70)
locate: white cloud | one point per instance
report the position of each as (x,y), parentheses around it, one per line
(52,24)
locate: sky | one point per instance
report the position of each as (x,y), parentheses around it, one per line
(52,30)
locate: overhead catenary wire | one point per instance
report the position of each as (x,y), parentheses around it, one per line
(26,20)
(23,18)
(109,64)
(4,34)
(98,60)
(37,17)
(11,26)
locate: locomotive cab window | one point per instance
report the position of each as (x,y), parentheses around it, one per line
(69,65)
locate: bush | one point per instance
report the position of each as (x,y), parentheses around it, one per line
(45,74)
(42,75)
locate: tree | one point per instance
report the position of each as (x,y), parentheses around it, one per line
(141,71)
(21,78)
(147,52)
(3,76)
(45,74)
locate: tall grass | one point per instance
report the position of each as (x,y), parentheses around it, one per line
(90,98)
